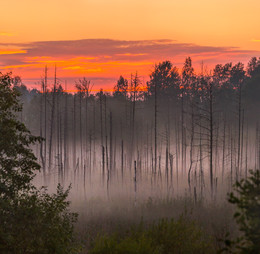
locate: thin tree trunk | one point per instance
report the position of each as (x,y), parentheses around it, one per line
(52,120)
(191,145)
(65,132)
(155,127)
(211,138)
(111,144)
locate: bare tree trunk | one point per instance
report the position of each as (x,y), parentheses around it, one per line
(80,127)
(94,134)
(45,119)
(216,150)
(223,149)
(239,133)
(182,130)
(211,137)
(111,144)
(58,135)
(155,127)
(258,145)
(74,131)
(231,159)
(101,133)
(86,123)
(134,84)
(201,163)
(106,132)
(65,132)
(52,120)
(135,181)
(177,151)
(246,165)
(41,144)
(191,145)
(122,159)
(171,166)
(257,148)
(242,143)
(166,166)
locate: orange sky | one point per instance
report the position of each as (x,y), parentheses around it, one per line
(35,33)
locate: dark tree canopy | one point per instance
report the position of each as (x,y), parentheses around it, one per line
(121,88)
(247,200)
(187,70)
(31,220)
(17,161)
(165,77)
(253,68)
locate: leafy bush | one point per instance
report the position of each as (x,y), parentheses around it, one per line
(37,222)
(164,237)
(181,236)
(128,245)
(31,220)
(247,200)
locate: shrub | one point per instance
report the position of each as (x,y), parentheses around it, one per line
(247,200)
(163,237)
(31,220)
(127,245)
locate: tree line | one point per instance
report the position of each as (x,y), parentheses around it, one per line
(202,129)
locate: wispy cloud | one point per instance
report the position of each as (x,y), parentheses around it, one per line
(103,59)
(130,54)
(12,52)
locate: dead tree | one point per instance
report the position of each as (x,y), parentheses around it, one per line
(80,94)
(101,132)
(111,143)
(65,133)
(155,127)
(43,159)
(191,144)
(52,119)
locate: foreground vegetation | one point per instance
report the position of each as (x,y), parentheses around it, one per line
(176,226)
(166,236)
(247,201)
(31,220)
(165,226)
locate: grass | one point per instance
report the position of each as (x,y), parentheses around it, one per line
(154,226)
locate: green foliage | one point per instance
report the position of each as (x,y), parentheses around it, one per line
(128,245)
(17,161)
(247,201)
(166,236)
(31,220)
(37,222)
(179,236)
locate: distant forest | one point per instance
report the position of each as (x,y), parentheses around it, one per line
(202,130)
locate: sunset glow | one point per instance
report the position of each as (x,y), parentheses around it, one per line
(69,34)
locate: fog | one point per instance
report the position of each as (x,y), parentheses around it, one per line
(183,136)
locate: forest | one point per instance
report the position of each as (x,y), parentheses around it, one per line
(179,130)
(171,147)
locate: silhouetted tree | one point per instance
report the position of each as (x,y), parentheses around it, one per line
(121,88)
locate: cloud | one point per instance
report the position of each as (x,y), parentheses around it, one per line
(102,47)
(105,59)
(12,52)
(72,68)
(129,54)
